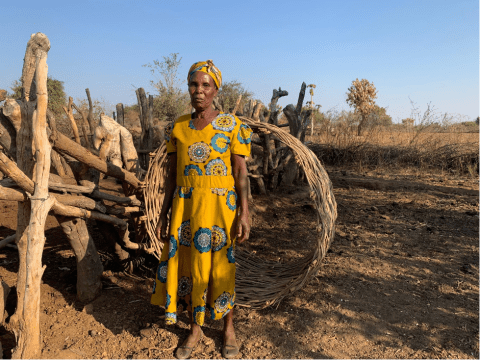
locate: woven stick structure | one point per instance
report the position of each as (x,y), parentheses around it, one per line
(260,284)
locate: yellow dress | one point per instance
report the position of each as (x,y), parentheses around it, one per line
(197,265)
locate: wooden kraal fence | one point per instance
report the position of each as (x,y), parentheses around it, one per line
(260,284)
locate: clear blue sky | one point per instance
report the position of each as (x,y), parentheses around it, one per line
(422,49)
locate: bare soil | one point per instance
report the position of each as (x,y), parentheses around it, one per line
(401,280)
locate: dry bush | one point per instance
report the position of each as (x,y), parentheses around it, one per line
(361,95)
(433,143)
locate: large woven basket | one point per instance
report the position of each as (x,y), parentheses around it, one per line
(261,283)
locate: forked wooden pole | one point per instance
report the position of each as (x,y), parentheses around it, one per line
(32,239)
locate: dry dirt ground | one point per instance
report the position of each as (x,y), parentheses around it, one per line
(400,281)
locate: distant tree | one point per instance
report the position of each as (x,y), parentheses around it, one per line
(477,120)
(408,123)
(171,101)
(229,93)
(56,95)
(380,117)
(361,96)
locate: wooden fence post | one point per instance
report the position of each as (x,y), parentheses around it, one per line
(120,114)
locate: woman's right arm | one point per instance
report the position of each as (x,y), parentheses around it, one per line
(170,186)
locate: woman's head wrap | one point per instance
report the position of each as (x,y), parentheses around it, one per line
(208,68)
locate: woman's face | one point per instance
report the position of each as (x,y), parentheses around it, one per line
(202,90)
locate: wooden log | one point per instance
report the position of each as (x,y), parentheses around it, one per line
(9,168)
(82,202)
(68,110)
(277,94)
(237,105)
(67,168)
(13,111)
(84,124)
(57,164)
(89,266)
(146,122)
(4,291)
(293,118)
(64,145)
(301,97)
(77,189)
(30,243)
(8,194)
(120,114)
(256,111)
(91,121)
(8,136)
(122,210)
(96,194)
(3,243)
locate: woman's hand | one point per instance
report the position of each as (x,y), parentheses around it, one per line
(243,229)
(161,229)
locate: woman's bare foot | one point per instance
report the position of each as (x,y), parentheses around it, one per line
(194,336)
(185,350)
(230,347)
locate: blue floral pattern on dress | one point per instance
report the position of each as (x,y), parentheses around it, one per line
(191,126)
(162,271)
(219,238)
(199,152)
(192,169)
(168,298)
(203,240)
(199,315)
(185,285)
(224,122)
(220,142)
(222,302)
(172,246)
(185,192)
(185,233)
(232,200)
(244,134)
(231,254)
(216,167)
(170,318)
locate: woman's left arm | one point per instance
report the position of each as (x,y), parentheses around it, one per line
(239,169)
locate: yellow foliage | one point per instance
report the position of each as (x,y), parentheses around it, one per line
(361,95)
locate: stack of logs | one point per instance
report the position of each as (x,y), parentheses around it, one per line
(31,145)
(272,163)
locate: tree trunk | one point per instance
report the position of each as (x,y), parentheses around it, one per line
(120,114)
(35,148)
(360,125)
(146,122)
(68,110)
(89,266)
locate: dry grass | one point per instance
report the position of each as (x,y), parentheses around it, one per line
(454,152)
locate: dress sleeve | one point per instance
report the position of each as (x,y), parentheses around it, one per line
(170,139)
(241,142)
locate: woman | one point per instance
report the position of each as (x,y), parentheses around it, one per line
(206,190)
